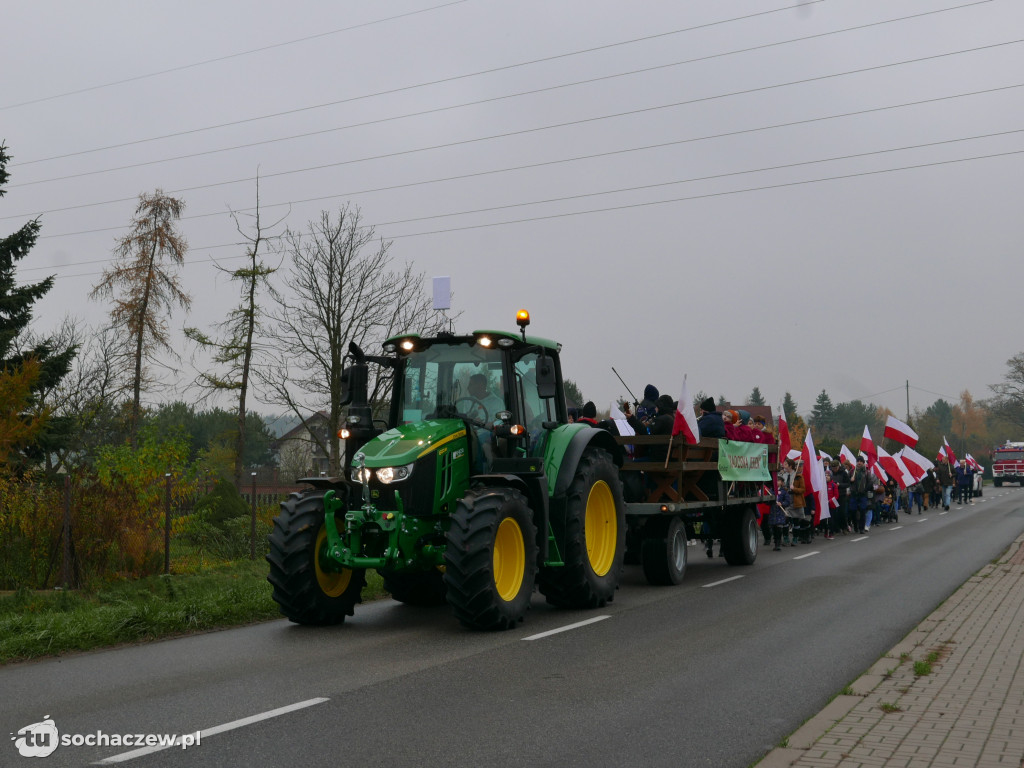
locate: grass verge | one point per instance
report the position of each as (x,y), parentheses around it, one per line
(37,624)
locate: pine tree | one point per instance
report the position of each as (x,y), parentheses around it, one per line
(26,369)
(756,398)
(823,416)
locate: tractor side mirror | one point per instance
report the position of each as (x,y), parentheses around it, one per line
(354,383)
(547,384)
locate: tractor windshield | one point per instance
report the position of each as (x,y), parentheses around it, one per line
(451,380)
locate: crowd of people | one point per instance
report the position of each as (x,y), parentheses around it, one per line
(857,496)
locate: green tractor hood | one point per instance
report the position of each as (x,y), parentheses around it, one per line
(405,444)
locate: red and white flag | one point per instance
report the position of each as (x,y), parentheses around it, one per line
(895,468)
(916,463)
(879,472)
(900,432)
(941,455)
(686,420)
(972,462)
(814,479)
(784,443)
(845,454)
(867,447)
(949,452)
(823,455)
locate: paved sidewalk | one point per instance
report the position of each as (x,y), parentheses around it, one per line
(966,711)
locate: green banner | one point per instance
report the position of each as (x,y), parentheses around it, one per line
(743,461)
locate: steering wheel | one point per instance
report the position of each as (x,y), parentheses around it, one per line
(474,402)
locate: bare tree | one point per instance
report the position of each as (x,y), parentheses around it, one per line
(342,287)
(1008,400)
(143,287)
(234,348)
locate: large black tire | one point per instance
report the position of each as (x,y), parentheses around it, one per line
(664,551)
(415,587)
(741,536)
(305,592)
(491,558)
(591,535)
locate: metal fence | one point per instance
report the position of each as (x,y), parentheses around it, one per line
(72,531)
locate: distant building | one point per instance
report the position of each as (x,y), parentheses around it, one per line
(299,452)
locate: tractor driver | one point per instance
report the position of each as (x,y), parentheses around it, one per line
(485,409)
(488,402)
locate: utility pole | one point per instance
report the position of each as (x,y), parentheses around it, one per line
(908,401)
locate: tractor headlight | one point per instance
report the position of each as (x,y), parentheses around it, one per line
(361,474)
(388,475)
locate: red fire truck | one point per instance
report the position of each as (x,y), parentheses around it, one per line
(1008,464)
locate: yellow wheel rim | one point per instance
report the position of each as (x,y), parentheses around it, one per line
(509,559)
(601,528)
(332,584)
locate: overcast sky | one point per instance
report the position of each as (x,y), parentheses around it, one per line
(794,196)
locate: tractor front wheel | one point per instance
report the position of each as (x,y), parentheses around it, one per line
(308,588)
(491,558)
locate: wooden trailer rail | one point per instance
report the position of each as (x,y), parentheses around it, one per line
(678,477)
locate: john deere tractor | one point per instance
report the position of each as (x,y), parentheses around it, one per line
(475,491)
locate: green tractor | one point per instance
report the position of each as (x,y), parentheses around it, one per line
(476,491)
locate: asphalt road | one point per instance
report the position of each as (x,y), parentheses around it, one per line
(713,672)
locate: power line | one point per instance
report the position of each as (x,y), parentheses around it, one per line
(705,196)
(538,129)
(492,99)
(576,158)
(218,59)
(425,84)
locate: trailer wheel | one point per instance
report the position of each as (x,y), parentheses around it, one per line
(491,558)
(664,552)
(307,588)
(591,533)
(415,587)
(740,540)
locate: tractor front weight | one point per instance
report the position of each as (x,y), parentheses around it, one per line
(374,538)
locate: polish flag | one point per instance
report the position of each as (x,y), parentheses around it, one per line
(867,447)
(785,447)
(941,455)
(845,454)
(916,463)
(972,462)
(686,420)
(896,468)
(879,472)
(949,452)
(900,432)
(793,454)
(814,478)
(823,455)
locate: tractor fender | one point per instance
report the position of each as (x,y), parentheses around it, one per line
(565,449)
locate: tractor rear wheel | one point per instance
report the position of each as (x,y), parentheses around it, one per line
(307,587)
(491,558)
(741,536)
(415,587)
(664,551)
(592,535)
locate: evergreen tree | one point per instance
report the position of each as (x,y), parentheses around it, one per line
(823,415)
(756,398)
(573,394)
(27,368)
